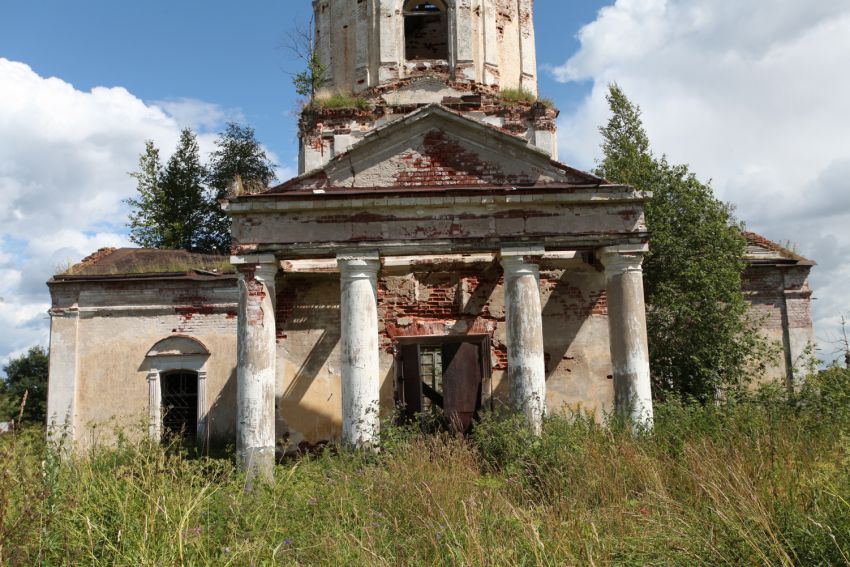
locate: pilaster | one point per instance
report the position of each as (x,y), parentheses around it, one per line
(63,374)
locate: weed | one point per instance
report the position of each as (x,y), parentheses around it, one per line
(758,479)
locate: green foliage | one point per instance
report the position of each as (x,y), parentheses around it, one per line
(312,79)
(25,375)
(149,209)
(340,100)
(172,206)
(700,337)
(517,95)
(237,153)
(178,206)
(758,480)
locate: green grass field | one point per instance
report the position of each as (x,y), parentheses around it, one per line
(759,481)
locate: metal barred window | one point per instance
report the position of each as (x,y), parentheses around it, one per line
(180,404)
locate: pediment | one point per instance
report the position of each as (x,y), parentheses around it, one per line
(438,148)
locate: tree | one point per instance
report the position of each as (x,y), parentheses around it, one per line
(238,153)
(172,206)
(302,45)
(701,339)
(26,374)
(147,212)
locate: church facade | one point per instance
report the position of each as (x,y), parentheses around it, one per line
(432,253)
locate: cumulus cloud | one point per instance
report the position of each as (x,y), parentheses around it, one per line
(199,114)
(752,94)
(64,159)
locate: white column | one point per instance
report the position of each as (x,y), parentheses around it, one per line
(359,341)
(202,407)
(255,370)
(523,314)
(63,375)
(154,406)
(627,332)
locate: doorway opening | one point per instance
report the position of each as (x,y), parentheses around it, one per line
(445,376)
(426,30)
(180,404)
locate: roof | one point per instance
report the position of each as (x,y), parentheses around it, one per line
(422,119)
(138,263)
(760,250)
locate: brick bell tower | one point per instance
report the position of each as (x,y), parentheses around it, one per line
(390,57)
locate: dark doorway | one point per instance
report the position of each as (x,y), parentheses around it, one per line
(180,404)
(449,375)
(426,30)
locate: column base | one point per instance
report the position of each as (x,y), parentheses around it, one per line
(258,463)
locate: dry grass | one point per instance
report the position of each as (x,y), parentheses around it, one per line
(172,266)
(339,100)
(763,481)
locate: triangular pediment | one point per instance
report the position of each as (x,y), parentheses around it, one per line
(438,148)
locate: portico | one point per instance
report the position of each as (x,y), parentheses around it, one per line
(326,226)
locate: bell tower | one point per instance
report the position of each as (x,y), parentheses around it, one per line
(384,59)
(372,43)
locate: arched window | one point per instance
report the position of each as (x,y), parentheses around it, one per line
(180,403)
(426,30)
(177,387)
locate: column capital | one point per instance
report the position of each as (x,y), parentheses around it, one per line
(623,258)
(263,267)
(521,260)
(358,265)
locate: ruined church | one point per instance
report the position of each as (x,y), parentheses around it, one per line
(432,253)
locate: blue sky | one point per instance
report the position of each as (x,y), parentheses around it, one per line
(753,94)
(222,52)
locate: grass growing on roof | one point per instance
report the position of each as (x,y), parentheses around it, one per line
(339,100)
(220,265)
(516,96)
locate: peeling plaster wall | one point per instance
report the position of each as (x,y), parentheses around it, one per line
(437,300)
(362,43)
(326,133)
(119,323)
(780,301)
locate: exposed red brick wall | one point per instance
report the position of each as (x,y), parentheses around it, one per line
(767,287)
(443,162)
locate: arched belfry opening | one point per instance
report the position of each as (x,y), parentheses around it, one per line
(426,30)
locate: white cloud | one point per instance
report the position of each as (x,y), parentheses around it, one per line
(64,159)
(199,114)
(751,93)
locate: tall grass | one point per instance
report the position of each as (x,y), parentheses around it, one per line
(762,480)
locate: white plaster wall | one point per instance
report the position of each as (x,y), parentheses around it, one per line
(117,328)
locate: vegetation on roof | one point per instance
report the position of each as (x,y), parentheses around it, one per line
(518,96)
(339,100)
(110,262)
